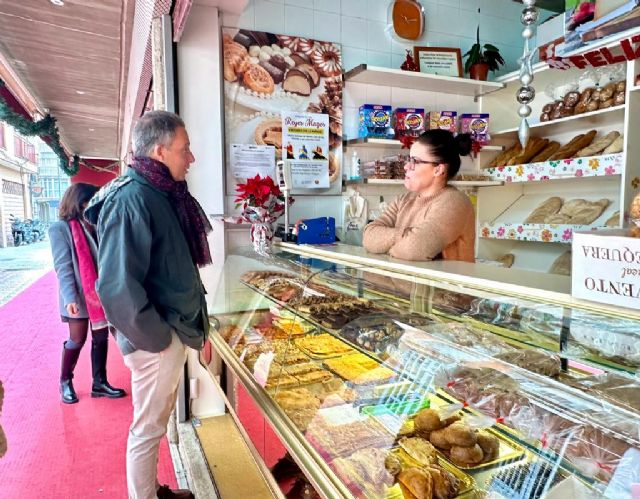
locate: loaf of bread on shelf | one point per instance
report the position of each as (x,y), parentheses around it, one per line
(548,207)
(550,149)
(562,264)
(613,220)
(534,147)
(502,158)
(616,146)
(598,145)
(576,144)
(506,260)
(578,212)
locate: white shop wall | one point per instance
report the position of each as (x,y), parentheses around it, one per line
(360,26)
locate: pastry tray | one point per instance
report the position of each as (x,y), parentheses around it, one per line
(467,483)
(330,355)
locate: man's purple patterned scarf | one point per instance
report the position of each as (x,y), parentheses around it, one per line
(193,220)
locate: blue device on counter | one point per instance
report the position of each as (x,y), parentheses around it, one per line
(317,231)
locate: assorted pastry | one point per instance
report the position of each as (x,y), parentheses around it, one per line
(590,99)
(359,369)
(336,315)
(540,149)
(323,346)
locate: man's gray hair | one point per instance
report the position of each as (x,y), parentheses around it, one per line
(154,127)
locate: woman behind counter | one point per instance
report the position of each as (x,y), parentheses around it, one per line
(74,249)
(433,220)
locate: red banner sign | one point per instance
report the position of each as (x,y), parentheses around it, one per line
(628,50)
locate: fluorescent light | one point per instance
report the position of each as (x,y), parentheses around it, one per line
(80,92)
(59,3)
(92,129)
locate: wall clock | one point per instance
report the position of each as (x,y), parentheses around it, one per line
(407,17)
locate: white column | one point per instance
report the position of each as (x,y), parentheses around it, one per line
(200,105)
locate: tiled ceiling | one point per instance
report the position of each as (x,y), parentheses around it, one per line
(74,59)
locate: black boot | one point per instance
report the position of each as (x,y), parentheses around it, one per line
(100,386)
(69,360)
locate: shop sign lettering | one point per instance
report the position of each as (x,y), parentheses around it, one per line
(628,50)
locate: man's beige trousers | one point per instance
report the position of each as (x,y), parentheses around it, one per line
(154,384)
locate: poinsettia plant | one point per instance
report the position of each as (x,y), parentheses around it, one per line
(261,200)
(258,191)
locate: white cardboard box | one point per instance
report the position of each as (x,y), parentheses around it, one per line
(550,30)
(605,267)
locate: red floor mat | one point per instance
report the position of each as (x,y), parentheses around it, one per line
(58,451)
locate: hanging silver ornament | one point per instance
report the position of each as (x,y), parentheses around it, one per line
(523,133)
(524,95)
(524,110)
(529,16)
(526,78)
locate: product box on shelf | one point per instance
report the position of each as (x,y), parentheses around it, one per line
(375,121)
(605,267)
(446,120)
(408,121)
(477,125)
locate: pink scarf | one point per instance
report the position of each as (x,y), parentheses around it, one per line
(88,276)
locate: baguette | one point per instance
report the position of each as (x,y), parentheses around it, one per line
(578,143)
(615,147)
(534,146)
(547,152)
(558,154)
(499,160)
(598,145)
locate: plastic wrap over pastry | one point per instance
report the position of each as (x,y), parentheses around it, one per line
(543,319)
(488,391)
(502,312)
(376,332)
(468,336)
(619,389)
(615,339)
(536,361)
(451,301)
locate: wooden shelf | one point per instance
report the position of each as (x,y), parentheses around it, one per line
(599,118)
(399,78)
(399,181)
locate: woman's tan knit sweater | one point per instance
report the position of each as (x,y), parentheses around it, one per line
(418,227)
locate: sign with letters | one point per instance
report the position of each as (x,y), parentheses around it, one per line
(606,267)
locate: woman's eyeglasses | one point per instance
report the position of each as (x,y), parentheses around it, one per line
(412,162)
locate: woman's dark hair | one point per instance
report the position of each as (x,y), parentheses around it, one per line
(73,200)
(447,148)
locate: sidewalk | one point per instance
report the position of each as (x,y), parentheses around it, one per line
(55,451)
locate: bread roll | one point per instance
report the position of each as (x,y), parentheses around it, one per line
(428,420)
(562,264)
(439,439)
(459,434)
(465,456)
(489,444)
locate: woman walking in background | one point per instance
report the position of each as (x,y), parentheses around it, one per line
(74,248)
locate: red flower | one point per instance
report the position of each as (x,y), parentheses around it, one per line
(257,191)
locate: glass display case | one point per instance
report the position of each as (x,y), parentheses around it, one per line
(391,385)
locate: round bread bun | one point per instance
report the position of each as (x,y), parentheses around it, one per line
(489,444)
(465,456)
(439,439)
(428,420)
(460,435)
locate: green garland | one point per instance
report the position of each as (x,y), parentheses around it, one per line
(45,128)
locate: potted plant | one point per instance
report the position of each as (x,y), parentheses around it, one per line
(481,59)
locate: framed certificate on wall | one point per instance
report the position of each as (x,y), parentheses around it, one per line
(443,61)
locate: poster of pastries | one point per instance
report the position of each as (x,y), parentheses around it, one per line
(267,74)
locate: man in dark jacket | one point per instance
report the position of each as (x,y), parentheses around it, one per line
(152,239)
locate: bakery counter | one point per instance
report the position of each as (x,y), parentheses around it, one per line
(378,394)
